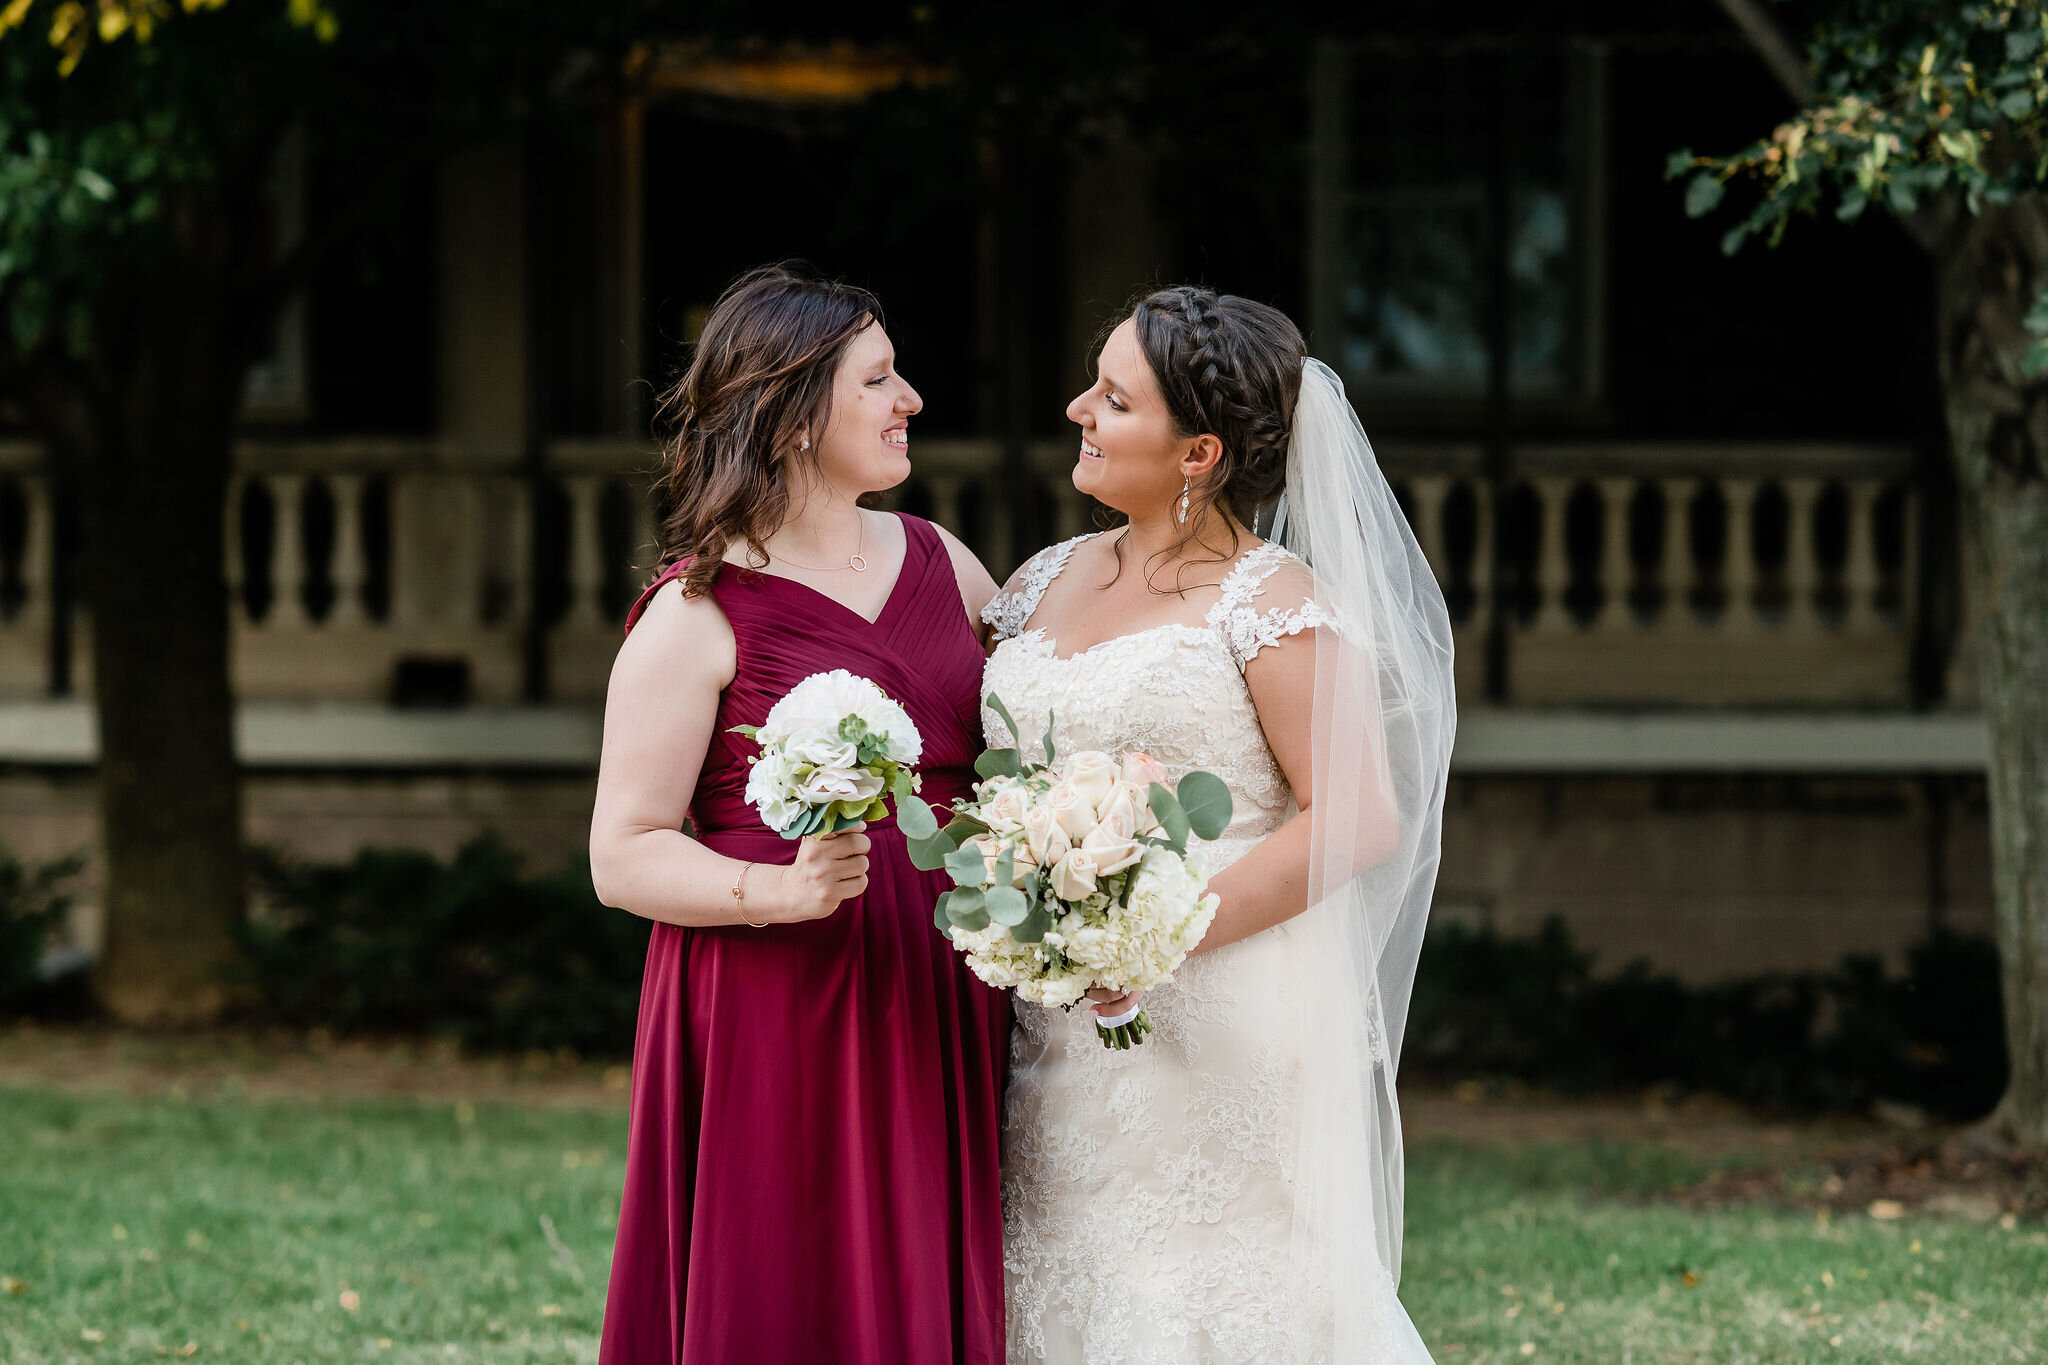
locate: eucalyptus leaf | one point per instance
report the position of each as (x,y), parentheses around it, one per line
(1006,867)
(998,763)
(966,867)
(942,921)
(995,704)
(1031,929)
(1173,821)
(1206,801)
(1007,905)
(1703,195)
(929,855)
(914,817)
(967,908)
(960,829)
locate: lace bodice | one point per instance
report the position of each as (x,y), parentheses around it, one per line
(1147,1212)
(1174,691)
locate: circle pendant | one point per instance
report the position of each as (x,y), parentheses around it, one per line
(858,564)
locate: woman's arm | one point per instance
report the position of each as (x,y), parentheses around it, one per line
(977,585)
(659,715)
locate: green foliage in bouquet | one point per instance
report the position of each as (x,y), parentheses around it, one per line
(1200,808)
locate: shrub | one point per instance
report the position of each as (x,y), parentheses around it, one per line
(396,941)
(32,908)
(1531,1008)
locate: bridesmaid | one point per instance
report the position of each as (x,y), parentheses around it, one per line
(817,1080)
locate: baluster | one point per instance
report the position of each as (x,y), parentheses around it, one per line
(37,549)
(1553,567)
(945,489)
(231,553)
(1485,565)
(586,552)
(1801,571)
(1069,509)
(1738,558)
(1429,492)
(287,554)
(1617,570)
(348,570)
(1675,563)
(1859,564)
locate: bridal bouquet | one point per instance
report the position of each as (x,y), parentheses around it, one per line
(829,751)
(1072,874)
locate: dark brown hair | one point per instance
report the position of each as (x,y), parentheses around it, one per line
(1228,367)
(759,380)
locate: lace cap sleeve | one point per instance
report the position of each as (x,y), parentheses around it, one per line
(1238,616)
(1009,609)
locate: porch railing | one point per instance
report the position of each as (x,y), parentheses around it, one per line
(412,572)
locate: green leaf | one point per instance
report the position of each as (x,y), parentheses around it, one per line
(942,921)
(750,731)
(1852,206)
(960,829)
(1047,741)
(1678,163)
(1732,239)
(1007,905)
(2016,105)
(1703,195)
(966,867)
(95,184)
(998,763)
(914,817)
(1172,819)
(1901,197)
(929,855)
(995,704)
(1006,867)
(1031,929)
(967,908)
(1206,801)
(903,786)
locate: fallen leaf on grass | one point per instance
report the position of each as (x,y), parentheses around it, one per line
(91,1334)
(551,1310)
(350,1300)
(1886,1209)
(13,1284)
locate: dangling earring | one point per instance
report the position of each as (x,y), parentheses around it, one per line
(1185,483)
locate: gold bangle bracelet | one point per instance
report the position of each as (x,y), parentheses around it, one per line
(739,897)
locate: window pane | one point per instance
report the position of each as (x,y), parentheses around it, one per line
(1416,278)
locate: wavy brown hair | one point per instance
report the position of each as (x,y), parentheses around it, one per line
(760,378)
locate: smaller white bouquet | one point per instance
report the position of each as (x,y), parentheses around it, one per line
(830,751)
(1068,875)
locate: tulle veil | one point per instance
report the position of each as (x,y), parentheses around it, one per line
(1384,717)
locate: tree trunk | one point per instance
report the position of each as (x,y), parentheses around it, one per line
(147,426)
(1991,268)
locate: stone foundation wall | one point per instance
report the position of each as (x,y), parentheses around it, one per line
(1705,877)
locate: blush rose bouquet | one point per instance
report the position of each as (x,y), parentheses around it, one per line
(1073,873)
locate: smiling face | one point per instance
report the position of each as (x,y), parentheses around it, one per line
(866,444)
(1133,456)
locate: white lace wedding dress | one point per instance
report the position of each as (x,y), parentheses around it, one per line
(1146,1204)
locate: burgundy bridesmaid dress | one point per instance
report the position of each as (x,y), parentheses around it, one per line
(811,1174)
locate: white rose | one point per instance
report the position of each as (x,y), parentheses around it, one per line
(1074,877)
(1071,807)
(1007,811)
(1046,842)
(1123,813)
(1111,854)
(1091,773)
(838,784)
(822,749)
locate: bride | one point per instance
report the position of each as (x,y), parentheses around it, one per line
(1230,1191)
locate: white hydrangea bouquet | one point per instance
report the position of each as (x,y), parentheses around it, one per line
(830,751)
(1072,874)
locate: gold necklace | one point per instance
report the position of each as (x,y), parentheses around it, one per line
(856,561)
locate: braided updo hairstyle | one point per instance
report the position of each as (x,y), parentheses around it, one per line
(1229,367)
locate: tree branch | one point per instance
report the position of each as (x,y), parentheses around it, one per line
(1771,44)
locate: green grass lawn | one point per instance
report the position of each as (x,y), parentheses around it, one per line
(298,1231)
